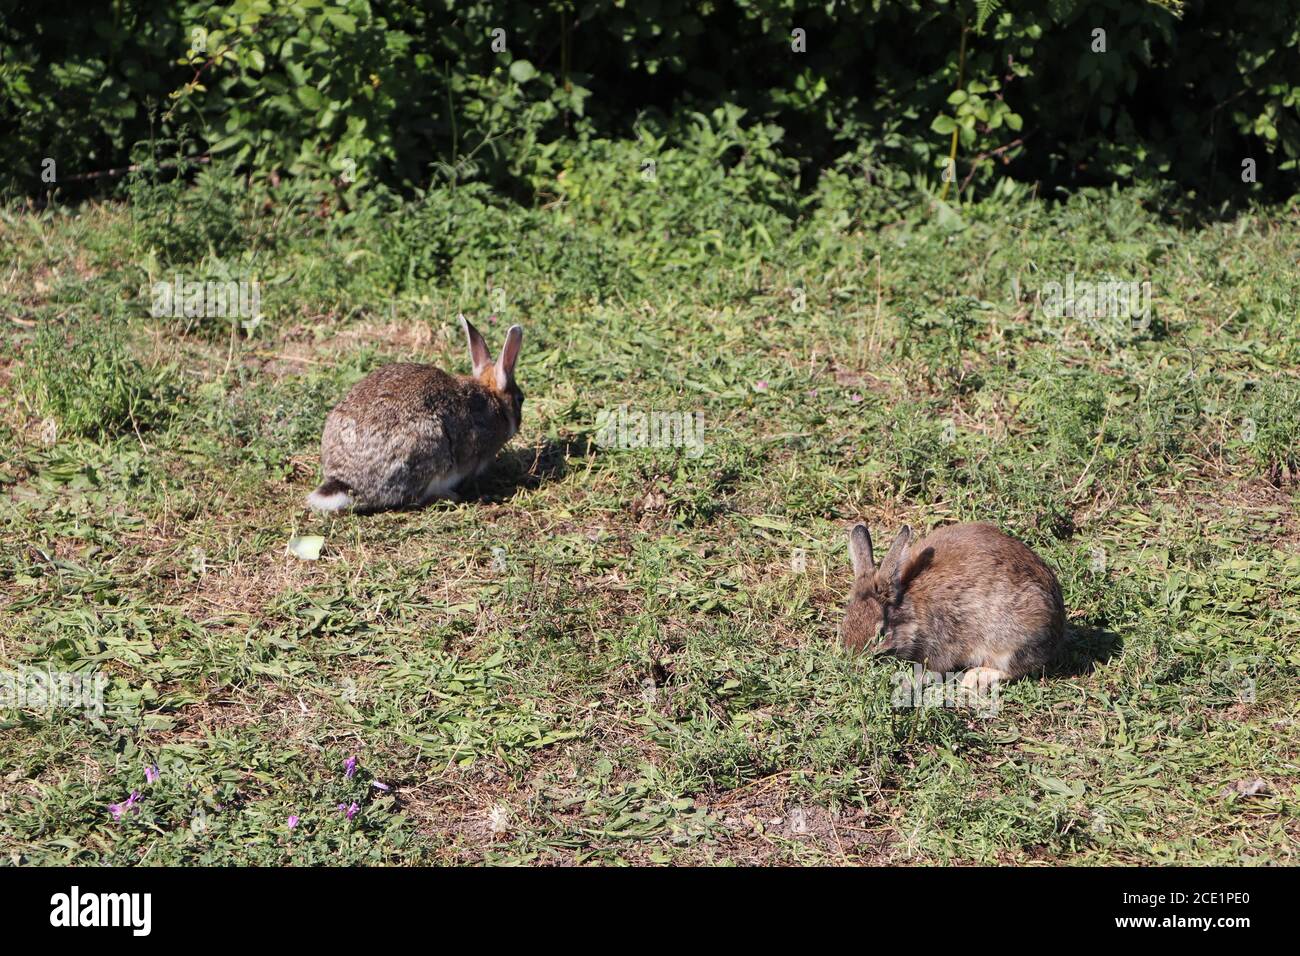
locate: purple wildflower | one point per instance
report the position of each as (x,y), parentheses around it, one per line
(293,820)
(350,768)
(151,774)
(349,812)
(120,809)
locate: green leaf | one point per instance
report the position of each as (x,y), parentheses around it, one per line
(228,142)
(309,97)
(1058,786)
(943,124)
(521,71)
(343,21)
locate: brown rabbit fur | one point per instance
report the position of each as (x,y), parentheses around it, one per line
(407,433)
(967,597)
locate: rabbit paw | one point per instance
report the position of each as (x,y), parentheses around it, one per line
(981,679)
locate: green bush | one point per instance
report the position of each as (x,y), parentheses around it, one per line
(441,226)
(83,375)
(366,92)
(179,224)
(1272,430)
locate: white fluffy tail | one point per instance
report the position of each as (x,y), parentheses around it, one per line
(332,495)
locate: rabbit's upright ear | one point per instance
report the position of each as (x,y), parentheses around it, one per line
(860,551)
(509,355)
(478,350)
(891,569)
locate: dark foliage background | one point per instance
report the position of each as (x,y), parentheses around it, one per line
(395,94)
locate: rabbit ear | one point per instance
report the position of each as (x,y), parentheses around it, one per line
(478,350)
(860,551)
(509,355)
(891,569)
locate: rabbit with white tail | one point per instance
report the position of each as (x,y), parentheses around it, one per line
(407,434)
(966,598)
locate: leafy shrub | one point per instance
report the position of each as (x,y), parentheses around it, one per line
(1272,430)
(860,190)
(1066,408)
(663,204)
(444,224)
(364,92)
(675,199)
(85,377)
(180,224)
(941,341)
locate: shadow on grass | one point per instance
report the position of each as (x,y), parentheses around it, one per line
(530,466)
(1086,648)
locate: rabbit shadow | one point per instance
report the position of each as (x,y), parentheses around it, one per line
(526,467)
(1086,648)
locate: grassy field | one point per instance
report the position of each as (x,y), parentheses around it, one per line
(627,655)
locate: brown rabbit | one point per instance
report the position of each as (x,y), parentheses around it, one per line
(968,597)
(407,434)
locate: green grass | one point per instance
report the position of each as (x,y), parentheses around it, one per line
(614,655)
